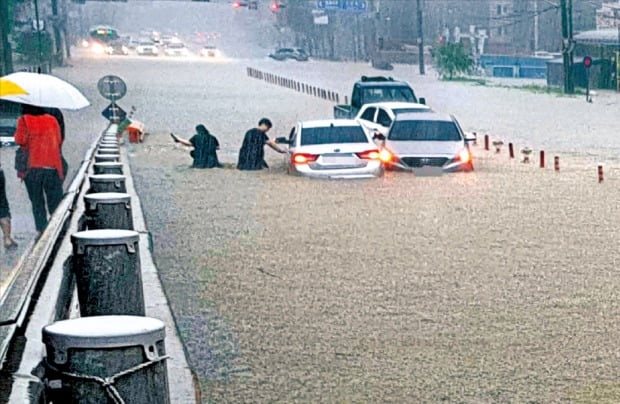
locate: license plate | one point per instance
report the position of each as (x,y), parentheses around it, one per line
(338,160)
(428,171)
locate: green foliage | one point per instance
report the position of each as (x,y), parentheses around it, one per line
(28,46)
(451,59)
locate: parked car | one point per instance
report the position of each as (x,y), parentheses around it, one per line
(378,117)
(297,54)
(9,112)
(376,89)
(333,149)
(146,47)
(117,48)
(428,140)
(176,49)
(210,51)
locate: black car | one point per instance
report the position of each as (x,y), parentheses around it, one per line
(297,54)
(117,48)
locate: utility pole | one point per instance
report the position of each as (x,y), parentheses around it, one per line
(566,7)
(420,37)
(6,53)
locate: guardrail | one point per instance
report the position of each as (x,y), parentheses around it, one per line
(19,294)
(44,292)
(295,85)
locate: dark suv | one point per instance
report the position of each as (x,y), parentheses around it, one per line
(297,54)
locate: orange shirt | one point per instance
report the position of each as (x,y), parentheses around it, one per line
(40,135)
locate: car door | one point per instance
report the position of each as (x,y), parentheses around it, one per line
(292,138)
(383,121)
(367,119)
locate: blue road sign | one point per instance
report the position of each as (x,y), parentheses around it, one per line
(342,5)
(114,113)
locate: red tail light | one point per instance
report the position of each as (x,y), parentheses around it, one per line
(236,4)
(303,158)
(370,155)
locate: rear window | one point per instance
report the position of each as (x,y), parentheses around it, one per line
(387,93)
(407,110)
(441,131)
(176,45)
(333,134)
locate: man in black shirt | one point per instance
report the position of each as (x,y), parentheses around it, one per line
(252,153)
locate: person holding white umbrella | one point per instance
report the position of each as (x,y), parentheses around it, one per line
(40,133)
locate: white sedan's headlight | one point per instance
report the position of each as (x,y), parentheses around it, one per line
(125,49)
(98,48)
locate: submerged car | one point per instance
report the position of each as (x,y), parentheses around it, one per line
(378,117)
(297,54)
(428,140)
(333,149)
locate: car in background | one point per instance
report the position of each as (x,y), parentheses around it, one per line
(297,54)
(176,49)
(333,149)
(430,141)
(146,47)
(378,117)
(117,48)
(210,51)
(9,113)
(374,89)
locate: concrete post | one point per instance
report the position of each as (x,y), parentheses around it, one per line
(107,268)
(107,183)
(108,150)
(107,359)
(107,157)
(108,167)
(108,210)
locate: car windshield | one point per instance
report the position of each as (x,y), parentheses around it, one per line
(333,134)
(387,93)
(440,131)
(176,46)
(407,110)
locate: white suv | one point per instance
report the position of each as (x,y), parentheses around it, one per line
(378,117)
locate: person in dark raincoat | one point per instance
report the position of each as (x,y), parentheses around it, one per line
(252,153)
(205,148)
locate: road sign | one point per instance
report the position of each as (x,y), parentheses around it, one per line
(114,113)
(343,5)
(112,88)
(587,61)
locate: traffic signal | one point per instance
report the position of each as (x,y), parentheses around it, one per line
(587,61)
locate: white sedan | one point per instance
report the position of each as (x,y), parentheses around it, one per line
(378,117)
(176,49)
(336,148)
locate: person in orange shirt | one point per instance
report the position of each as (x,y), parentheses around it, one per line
(39,133)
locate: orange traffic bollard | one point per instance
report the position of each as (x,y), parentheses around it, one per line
(600,174)
(556,163)
(542,159)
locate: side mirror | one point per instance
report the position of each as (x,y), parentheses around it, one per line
(282,140)
(470,137)
(379,136)
(422,100)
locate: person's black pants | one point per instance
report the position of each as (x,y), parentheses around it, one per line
(4,203)
(43,185)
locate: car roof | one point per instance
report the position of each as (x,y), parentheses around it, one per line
(424,116)
(324,123)
(397,105)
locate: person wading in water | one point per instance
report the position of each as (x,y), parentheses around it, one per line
(252,153)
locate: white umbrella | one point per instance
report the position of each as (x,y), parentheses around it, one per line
(42,90)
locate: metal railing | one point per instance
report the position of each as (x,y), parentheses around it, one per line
(21,293)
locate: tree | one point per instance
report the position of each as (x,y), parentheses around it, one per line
(452,59)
